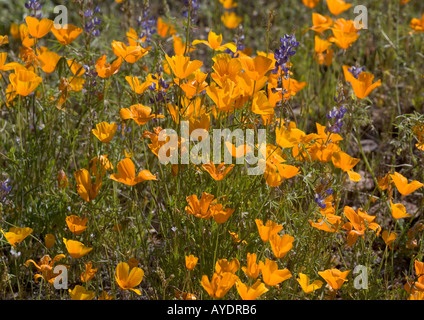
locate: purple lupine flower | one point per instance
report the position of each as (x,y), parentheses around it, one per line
(34,5)
(240,47)
(356,71)
(320,201)
(283,54)
(148,26)
(92,22)
(194,7)
(5,189)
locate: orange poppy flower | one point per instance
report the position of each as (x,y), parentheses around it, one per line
(326,58)
(271,275)
(281,245)
(164,29)
(256,68)
(130,54)
(388,238)
(252,269)
(224,97)
(76,68)
(217,173)
(16,235)
(38,28)
(228,4)
(4,40)
(419,134)
(402,184)
(214,42)
(138,87)
(184,295)
(194,85)
(76,249)
(49,60)
(345,162)
(24,82)
(362,86)
(251,293)
(356,226)
(49,240)
(304,283)
(66,34)
(76,224)
(310,3)
(126,173)
(337,7)
(320,22)
(14,31)
(292,87)
(179,48)
(219,285)
(127,279)
(8,66)
(200,209)
(105,70)
(417,286)
(267,230)
(81,293)
(334,277)
(105,131)
(417,24)
(321,45)
(89,272)
(45,267)
(398,211)
(231,20)
(219,214)
(343,39)
(99,165)
(182,67)
(191,261)
(85,188)
(223,265)
(139,113)
(330,222)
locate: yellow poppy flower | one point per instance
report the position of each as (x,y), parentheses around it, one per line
(126,173)
(215,43)
(251,293)
(231,20)
(85,188)
(127,279)
(76,224)
(105,131)
(182,67)
(271,275)
(76,249)
(304,283)
(80,293)
(16,235)
(281,245)
(105,70)
(334,277)
(38,28)
(402,184)
(191,261)
(219,285)
(66,34)
(24,82)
